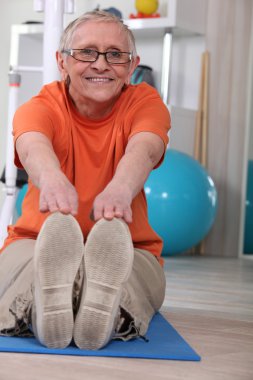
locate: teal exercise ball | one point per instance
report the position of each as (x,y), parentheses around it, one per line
(248,230)
(182,202)
(20,198)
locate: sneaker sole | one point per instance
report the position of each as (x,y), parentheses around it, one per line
(108,257)
(57,260)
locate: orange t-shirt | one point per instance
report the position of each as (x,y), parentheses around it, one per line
(89,152)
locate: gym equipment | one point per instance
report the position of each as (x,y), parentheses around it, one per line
(143,73)
(182,202)
(248,230)
(20,199)
(164,342)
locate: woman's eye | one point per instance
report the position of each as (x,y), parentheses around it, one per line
(115,54)
(87,51)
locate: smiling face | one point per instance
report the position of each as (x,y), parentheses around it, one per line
(97,85)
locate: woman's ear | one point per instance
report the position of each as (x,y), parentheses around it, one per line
(61,63)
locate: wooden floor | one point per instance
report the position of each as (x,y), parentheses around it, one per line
(208,300)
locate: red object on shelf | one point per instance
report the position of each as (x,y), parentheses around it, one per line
(142,15)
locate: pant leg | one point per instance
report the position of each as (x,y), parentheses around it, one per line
(16,281)
(144,292)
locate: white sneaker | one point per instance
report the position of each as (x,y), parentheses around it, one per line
(58,254)
(108,258)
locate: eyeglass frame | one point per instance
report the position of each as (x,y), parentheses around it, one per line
(70,53)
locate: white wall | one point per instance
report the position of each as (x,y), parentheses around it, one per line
(186,56)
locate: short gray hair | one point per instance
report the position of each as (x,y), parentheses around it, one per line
(97,16)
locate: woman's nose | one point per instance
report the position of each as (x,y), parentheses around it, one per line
(100,63)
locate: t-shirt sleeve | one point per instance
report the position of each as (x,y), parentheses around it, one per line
(151,115)
(31,117)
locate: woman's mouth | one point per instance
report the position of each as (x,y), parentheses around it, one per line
(99,79)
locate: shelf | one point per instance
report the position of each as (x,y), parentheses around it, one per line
(156,27)
(36,28)
(148,23)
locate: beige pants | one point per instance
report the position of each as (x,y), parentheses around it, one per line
(142,295)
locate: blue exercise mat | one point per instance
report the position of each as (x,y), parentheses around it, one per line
(164,342)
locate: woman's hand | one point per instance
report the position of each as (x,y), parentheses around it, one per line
(114,201)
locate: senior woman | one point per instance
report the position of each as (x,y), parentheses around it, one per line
(82,261)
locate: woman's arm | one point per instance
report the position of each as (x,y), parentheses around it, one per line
(144,150)
(42,165)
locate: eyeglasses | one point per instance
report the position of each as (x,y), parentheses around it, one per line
(90,55)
